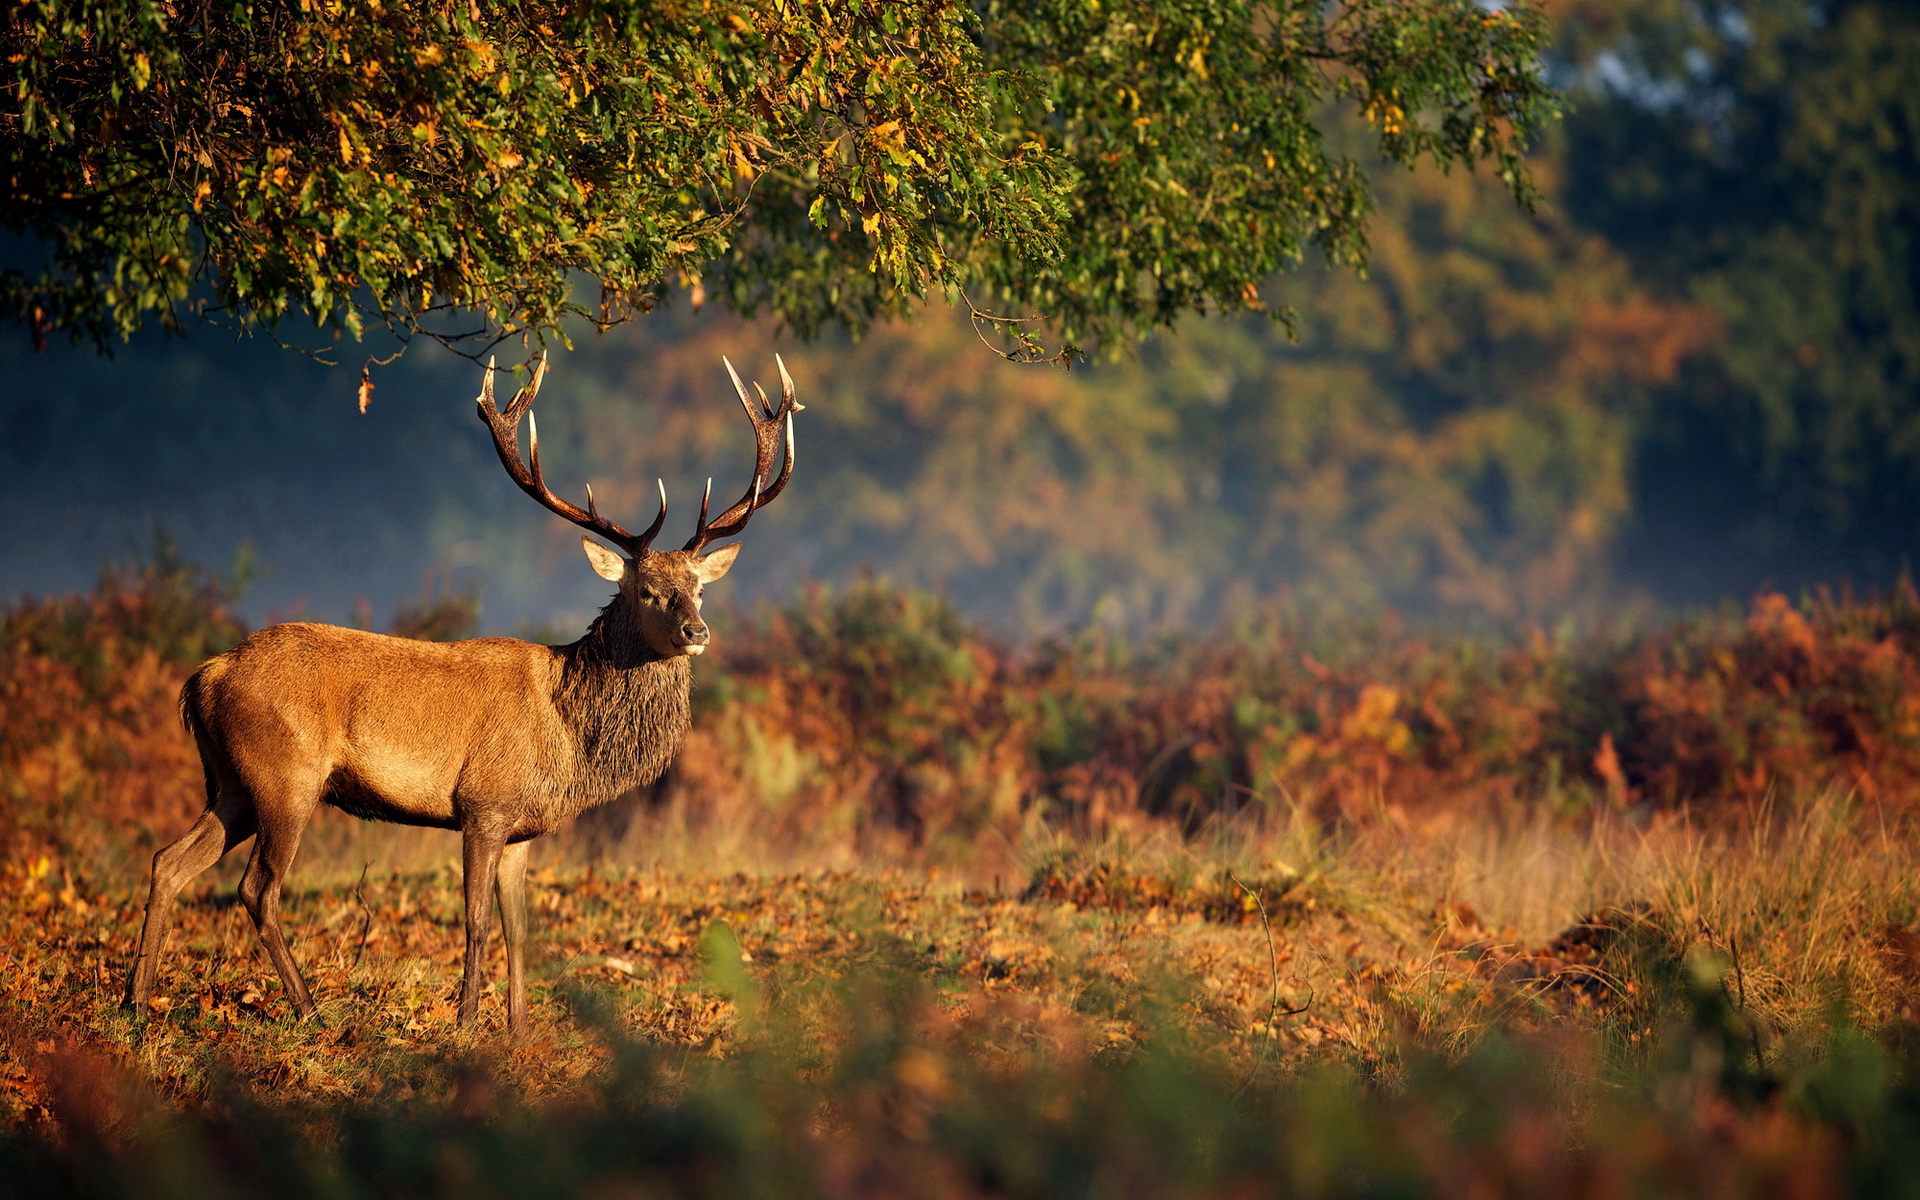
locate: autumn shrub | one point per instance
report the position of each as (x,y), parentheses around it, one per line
(176,611)
(1822,690)
(91,749)
(873,721)
(918,731)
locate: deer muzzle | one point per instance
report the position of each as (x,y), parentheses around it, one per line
(694,637)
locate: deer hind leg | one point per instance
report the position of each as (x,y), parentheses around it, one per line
(513,924)
(282,822)
(226,823)
(480,853)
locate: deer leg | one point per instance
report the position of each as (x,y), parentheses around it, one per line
(480,854)
(273,853)
(512,886)
(225,824)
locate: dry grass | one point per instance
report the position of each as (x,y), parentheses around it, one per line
(1383,928)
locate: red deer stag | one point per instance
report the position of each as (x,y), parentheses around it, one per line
(500,739)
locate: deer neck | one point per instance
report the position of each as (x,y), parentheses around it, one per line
(627,707)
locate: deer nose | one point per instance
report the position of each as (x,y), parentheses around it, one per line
(694,633)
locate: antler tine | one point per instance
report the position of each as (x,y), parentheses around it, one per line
(786,388)
(739,388)
(505,427)
(786,468)
(524,397)
(778,483)
(748,503)
(533,452)
(653,530)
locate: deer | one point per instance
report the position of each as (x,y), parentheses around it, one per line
(498,738)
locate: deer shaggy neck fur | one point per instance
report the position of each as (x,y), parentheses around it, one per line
(627,708)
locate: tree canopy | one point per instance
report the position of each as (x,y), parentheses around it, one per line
(1690,372)
(459,168)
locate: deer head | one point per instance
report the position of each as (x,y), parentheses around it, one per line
(660,589)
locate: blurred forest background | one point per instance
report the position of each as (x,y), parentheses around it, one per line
(1688,376)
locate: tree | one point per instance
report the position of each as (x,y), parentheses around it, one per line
(1762,158)
(365,163)
(1452,435)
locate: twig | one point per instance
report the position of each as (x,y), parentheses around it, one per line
(1740,983)
(366,925)
(1031,352)
(1739,989)
(1274,1010)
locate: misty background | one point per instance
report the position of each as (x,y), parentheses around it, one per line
(1692,375)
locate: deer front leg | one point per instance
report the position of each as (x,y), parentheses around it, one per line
(513,923)
(480,854)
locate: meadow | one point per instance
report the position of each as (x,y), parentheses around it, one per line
(1301,906)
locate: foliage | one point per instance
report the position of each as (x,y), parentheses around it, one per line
(1111,166)
(1452,435)
(906,1110)
(441,614)
(89,689)
(1515,415)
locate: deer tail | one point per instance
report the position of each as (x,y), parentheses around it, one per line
(190,694)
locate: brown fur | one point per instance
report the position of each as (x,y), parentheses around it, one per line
(500,739)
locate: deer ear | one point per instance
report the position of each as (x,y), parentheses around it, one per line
(714,565)
(606,564)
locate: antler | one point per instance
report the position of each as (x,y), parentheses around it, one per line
(506,440)
(768,422)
